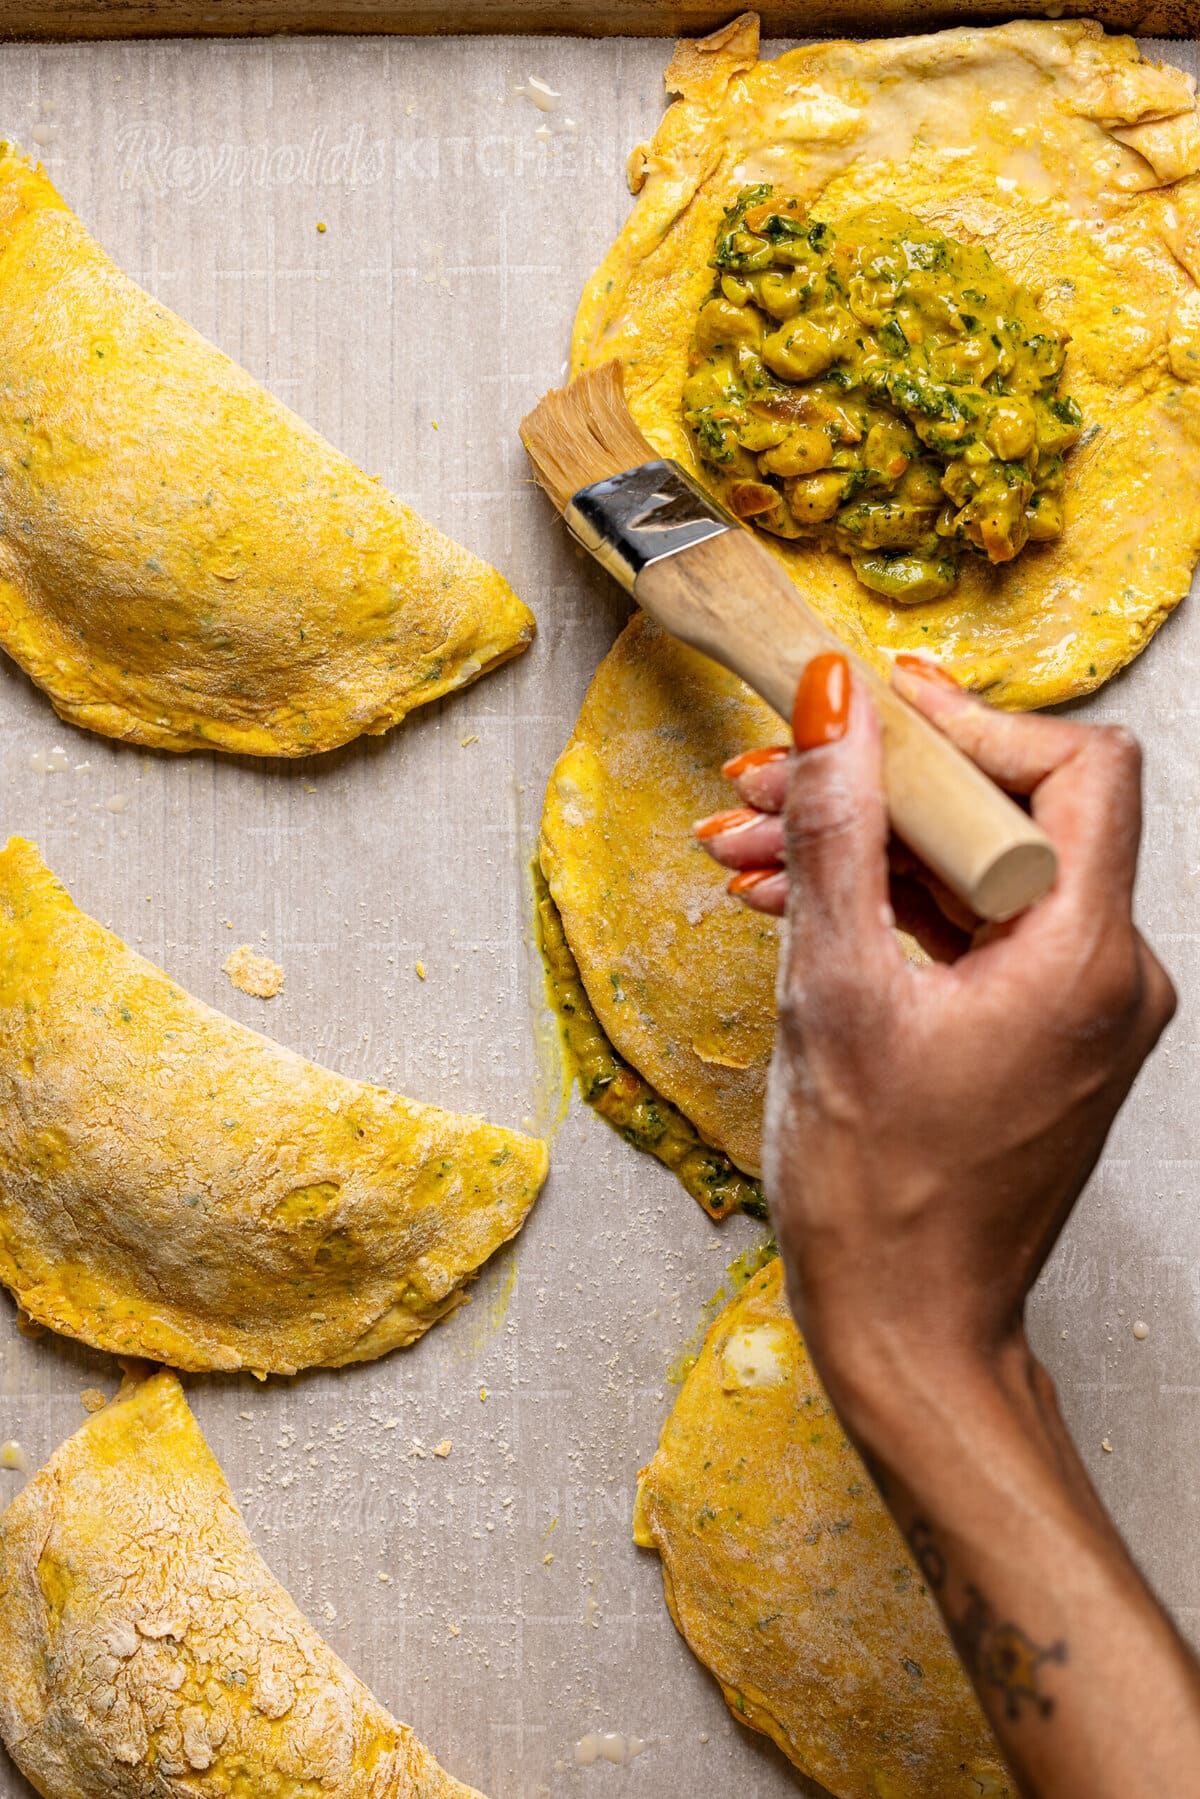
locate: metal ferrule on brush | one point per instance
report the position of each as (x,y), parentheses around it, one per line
(643,515)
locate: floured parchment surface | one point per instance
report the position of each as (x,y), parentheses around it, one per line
(491,1595)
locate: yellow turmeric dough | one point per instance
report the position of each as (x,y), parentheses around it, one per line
(681,977)
(788,1578)
(1074,163)
(183,561)
(146,1650)
(174,1186)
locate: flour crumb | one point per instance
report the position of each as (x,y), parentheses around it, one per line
(92,1400)
(443,1448)
(1141,1330)
(453,1629)
(252,973)
(1106,1446)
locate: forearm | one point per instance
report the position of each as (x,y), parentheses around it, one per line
(1089,1689)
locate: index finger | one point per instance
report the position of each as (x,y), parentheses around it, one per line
(1083,781)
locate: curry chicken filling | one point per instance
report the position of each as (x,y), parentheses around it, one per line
(875,386)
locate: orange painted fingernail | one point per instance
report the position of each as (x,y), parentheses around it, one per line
(724,821)
(750,877)
(925,665)
(822,706)
(737,765)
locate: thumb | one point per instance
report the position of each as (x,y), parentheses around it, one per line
(836,828)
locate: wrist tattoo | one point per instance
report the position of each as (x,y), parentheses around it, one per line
(995,1654)
(1004,1656)
(930,1559)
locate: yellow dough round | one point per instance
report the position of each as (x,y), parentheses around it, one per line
(174,1186)
(145,1648)
(789,1579)
(1074,162)
(183,561)
(681,977)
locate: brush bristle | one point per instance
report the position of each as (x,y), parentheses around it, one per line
(583,433)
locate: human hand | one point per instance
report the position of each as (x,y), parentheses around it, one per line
(929,1127)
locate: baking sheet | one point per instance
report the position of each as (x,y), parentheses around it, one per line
(151,18)
(413,332)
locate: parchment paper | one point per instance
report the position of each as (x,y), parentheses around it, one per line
(443,290)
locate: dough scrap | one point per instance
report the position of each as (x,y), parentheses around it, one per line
(183,561)
(788,1578)
(253,973)
(146,1650)
(1074,162)
(176,1187)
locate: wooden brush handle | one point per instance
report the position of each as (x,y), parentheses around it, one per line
(729,598)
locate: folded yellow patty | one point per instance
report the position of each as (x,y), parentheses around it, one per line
(174,1186)
(146,1650)
(789,1579)
(183,561)
(682,978)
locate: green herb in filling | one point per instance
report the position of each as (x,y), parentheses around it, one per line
(875,386)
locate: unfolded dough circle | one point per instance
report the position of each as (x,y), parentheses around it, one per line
(146,1650)
(176,1187)
(789,1579)
(183,561)
(1074,162)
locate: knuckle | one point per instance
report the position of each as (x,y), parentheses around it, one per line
(792,1010)
(833,1006)
(1119,749)
(1106,984)
(818,815)
(1130,989)
(1117,985)
(1161,999)
(764,787)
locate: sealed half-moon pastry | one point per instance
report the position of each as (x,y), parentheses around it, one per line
(174,1186)
(789,1579)
(680,977)
(665,986)
(146,1650)
(183,561)
(924,313)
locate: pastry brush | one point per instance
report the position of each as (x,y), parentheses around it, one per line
(711,582)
